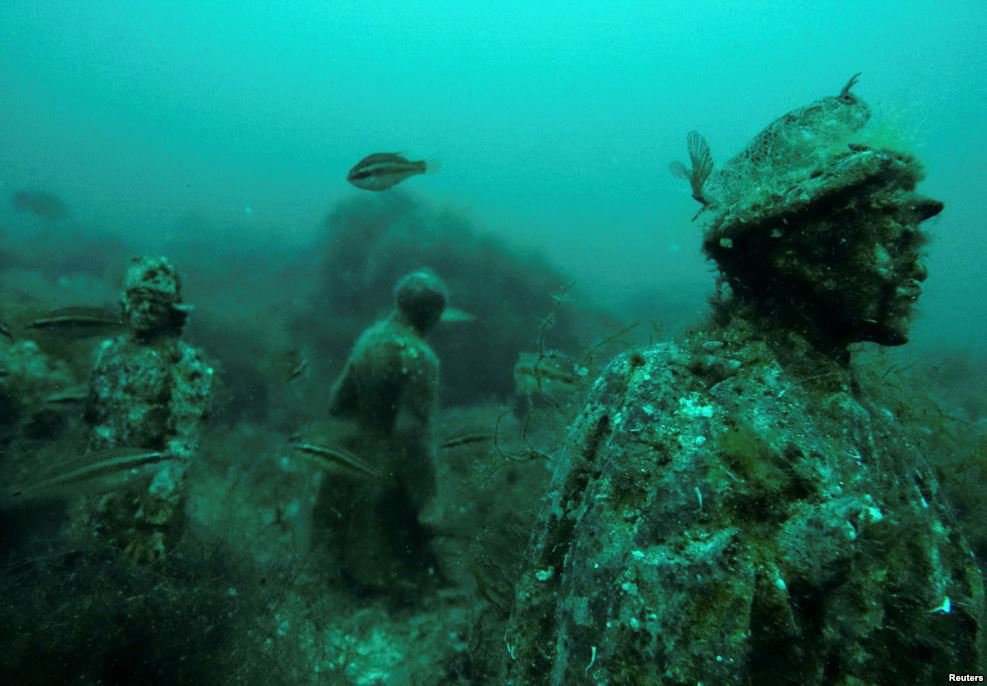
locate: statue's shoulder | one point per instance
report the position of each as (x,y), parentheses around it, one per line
(636,374)
(391,340)
(192,367)
(111,351)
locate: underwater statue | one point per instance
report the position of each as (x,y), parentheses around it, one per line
(389,387)
(733,508)
(149,390)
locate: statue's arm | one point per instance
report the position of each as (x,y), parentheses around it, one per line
(190,395)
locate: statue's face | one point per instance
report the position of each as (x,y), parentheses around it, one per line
(837,256)
(891,314)
(884,283)
(152,296)
(148,311)
(845,275)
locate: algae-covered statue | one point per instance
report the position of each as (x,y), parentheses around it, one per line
(732,508)
(389,386)
(149,390)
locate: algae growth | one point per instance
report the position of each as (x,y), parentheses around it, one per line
(315,477)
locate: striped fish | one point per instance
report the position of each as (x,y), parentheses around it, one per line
(68,396)
(331,458)
(98,472)
(465,439)
(380,171)
(78,321)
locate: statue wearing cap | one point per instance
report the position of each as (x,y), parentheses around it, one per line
(149,389)
(741,506)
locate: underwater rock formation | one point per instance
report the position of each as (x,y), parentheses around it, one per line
(732,508)
(29,378)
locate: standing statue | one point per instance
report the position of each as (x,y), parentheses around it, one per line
(150,390)
(389,387)
(733,508)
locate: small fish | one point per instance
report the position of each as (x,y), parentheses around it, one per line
(68,396)
(296,364)
(40,204)
(78,321)
(101,471)
(380,171)
(465,439)
(5,331)
(329,458)
(454,315)
(533,371)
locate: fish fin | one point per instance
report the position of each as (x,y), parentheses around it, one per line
(700,156)
(455,315)
(845,93)
(678,170)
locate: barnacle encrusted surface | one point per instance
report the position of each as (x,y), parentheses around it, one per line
(714,519)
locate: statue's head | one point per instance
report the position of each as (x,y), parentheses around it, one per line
(837,257)
(152,296)
(420,298)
